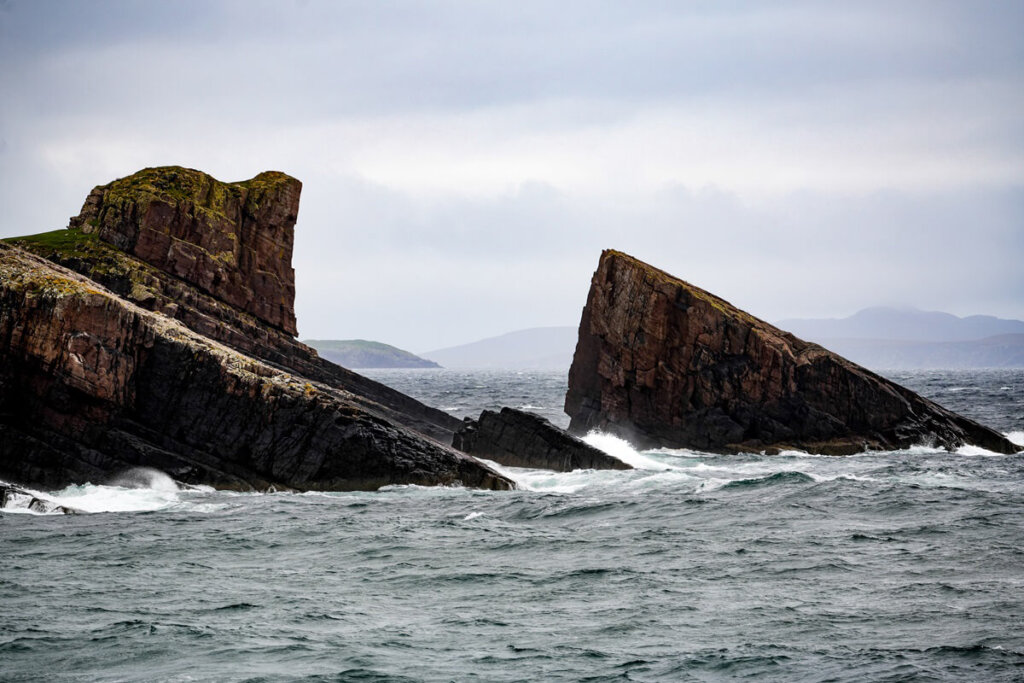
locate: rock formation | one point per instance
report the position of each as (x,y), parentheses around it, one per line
(91,384)
(232,240)
(211,309)
(149,349)
(520,439)
(664,363)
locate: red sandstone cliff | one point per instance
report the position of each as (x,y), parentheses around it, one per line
(665,363)
(233,240)
(194,280)
(171,346)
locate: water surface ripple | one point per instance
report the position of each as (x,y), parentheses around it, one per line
(893,566)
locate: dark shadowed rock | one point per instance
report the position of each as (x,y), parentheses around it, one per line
(519,439)
(664,363)
(91,385)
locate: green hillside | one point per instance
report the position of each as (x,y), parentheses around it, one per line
(359,353)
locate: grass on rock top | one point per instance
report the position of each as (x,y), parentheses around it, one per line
(179,184)
(65,241)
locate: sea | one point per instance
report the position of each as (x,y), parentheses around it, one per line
(893,566)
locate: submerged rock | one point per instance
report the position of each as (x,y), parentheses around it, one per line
(664,363)
(519,439)
(14,498)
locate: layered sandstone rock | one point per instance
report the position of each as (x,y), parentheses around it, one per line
(233,240)
(664,363)
(520,439)
(91,384)
(212,255)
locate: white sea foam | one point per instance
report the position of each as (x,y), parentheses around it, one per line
(94,498)
(968,449)
(624,451)
(472,515)
(137,490)
(1016,437)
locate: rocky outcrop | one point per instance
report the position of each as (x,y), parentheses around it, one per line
(91,384)
(664,363)
(233,240)
(15,498)
(206,298)
(519,439)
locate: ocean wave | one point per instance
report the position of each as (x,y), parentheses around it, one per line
(618,447)
(141,489)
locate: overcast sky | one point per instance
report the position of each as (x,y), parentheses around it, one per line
(464,163)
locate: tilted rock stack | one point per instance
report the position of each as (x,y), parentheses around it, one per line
(153,354)
(664,363)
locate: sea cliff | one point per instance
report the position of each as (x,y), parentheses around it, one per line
(134,338)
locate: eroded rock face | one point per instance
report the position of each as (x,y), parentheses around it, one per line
(203,284)
(230,240)
(520,439)
(664,363)
(91,384)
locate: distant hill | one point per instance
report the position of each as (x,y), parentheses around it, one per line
(359,353)
(880,338)
(538,348)
(905,324)
(884,338)
(1000,351)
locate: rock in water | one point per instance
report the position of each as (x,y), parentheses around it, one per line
(519,439)
(166,342)
(14,498)
(663,363)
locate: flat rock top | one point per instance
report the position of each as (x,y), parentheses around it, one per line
(231,240)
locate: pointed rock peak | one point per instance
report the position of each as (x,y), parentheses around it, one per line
(664,363)
(231,240)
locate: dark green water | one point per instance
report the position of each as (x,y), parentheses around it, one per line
(895,566)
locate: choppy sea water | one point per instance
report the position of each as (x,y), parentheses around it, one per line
(889,566)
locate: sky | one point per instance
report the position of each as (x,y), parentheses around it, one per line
(464,163)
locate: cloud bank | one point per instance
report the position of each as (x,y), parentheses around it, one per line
(464,163)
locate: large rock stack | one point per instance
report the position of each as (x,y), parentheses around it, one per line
(664,363)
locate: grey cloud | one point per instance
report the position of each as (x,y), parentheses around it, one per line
(518,262)
(384,57)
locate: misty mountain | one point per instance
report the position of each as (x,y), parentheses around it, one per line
(538,348)
(905,324)
(909,338)
(1000,351)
